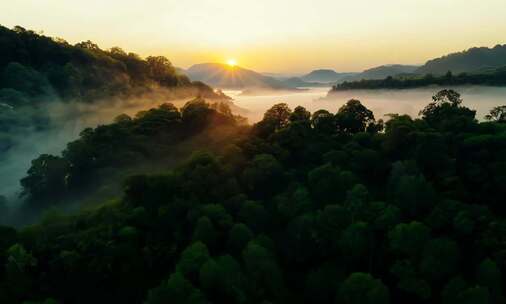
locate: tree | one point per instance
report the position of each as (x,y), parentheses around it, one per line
(155,121)
(254,215)
(353,117)
(489,275)
(195,114)
(356,200)
(238,237)
(300,114)
(410,191)
(223,278)
(162,70)
(329,184)
(24,79)
(322,282)
(192,258)
(178,290)
(363,288)
(46,177)
(277,117)
(279,114)
(18,268)
(497,114)
(440,259)
(409,280)
(355,241)
(323,121)
(204,232)
(294,203)
(445,112)
(263,271)
(263,175)
(458,291)
(301,239)
(409,239)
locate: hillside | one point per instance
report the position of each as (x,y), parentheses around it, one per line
(382,72)
(471,60)
(34,65)
(39,74)
(325,76)
(491,77)
(227,77)
(297,82)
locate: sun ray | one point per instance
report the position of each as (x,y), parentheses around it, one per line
(232,62)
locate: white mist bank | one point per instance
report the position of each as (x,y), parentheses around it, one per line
(68,119)
(381,102)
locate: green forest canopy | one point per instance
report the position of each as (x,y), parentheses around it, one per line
(299,208)
(36,71)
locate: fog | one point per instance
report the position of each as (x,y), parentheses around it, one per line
(67,120)
(381,102)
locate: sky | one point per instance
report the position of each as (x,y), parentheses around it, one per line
(279,36)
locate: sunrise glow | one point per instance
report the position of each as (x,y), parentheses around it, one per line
(232,62)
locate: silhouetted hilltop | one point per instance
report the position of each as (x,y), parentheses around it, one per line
(32,65)
(471,60)
(233,77)
(298,82)
(383,71)
(325,76)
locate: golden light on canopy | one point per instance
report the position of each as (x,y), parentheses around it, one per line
(272,36)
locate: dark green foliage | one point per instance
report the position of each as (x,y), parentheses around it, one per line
(38,71)
(292,210)
(362,288)
(35,64)
(177,290)
(129,141)
(487,77)
(497,114)
(192,258)
(353,117)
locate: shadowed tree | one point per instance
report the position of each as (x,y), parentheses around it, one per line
(222,277)
(446,112)
(192,258)
(353,117)
(178,290)
(300,114)
(362,288)
(324,122)
(497,114)
(409,239)
(277,117)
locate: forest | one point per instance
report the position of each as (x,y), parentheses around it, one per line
(298,208)
(495,77)
(37,71)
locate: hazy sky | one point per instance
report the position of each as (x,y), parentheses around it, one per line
(271,35)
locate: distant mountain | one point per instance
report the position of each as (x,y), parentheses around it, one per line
(383,71)
(471,60)
(297,82)
(227,77)
(488,77)
(325,76)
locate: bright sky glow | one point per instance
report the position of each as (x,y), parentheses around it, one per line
(271,36)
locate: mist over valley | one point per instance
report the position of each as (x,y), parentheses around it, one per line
(366,166)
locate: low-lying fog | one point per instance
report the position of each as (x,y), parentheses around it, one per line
(67,121)
(73,118)
(381,102)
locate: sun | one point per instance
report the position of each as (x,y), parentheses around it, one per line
(232,62)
